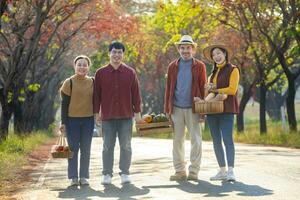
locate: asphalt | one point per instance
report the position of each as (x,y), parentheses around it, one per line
(262,172)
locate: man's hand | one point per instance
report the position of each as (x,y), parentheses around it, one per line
(198,99)
(202,118)
(138,119)
(170,118)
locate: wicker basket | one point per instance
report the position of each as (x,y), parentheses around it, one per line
(61,149)
(155,127)
(209,107)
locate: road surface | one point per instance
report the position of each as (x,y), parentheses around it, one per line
(262,173)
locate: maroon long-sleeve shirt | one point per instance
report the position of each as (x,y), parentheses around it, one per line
(116,92)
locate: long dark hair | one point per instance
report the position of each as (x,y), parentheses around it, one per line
(214,70)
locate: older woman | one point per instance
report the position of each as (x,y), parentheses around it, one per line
(224,80)
(77,119)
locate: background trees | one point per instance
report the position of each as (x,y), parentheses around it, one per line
(34,37)
(39,39)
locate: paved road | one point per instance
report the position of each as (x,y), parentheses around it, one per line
(262,173)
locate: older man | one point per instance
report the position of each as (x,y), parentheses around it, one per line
(186,78)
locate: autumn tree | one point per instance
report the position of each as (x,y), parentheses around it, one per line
(31,45)
(268,72)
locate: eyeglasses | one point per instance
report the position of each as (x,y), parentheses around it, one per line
(116,52)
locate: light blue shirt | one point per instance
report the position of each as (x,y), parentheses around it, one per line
(183,89)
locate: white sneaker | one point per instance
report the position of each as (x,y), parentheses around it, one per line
(230,176)
(106,179)
(219,176)
(83,181)
(74,182)
(125,178)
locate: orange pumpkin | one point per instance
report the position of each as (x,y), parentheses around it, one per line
(147,118)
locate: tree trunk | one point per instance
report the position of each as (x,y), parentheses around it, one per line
(18,118)
(290,105)
(262,109)
(247,92)
(274,103)
(291,93)
(5,116)
(46,120)
(4,124)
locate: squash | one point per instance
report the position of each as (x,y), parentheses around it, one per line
(147,118)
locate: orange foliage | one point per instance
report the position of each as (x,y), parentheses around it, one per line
(110,19)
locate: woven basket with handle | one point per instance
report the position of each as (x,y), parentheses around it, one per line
(61,149)
(209,107)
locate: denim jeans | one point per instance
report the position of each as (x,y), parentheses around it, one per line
(221,127)
(111,129)
(79,136)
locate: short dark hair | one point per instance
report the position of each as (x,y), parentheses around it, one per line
(116,45)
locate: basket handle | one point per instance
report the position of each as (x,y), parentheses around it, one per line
(62,141)
(65,142)
(59,141)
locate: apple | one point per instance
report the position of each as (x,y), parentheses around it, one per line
(59,148)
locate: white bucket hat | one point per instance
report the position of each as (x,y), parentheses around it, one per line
(186,39)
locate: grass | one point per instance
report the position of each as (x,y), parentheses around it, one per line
(275,136)
(251,112)
(14,151)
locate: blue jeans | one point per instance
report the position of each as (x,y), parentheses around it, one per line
(79,136)
(221,127)
(111,129)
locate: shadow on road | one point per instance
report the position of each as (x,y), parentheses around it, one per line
(211,190)
(126,192)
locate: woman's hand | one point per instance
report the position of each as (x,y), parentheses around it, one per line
(62,129)
(213,88)
(97,119)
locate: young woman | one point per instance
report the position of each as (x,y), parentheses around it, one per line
(77,118)
(225,78)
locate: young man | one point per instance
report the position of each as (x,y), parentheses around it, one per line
(116,100)
(185,82)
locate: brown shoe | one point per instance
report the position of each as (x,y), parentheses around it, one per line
(192,176)
(178,176)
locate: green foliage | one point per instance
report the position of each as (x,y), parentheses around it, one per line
(34,87)
(9,97)
(100,58)
(5,19)
(185,17)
